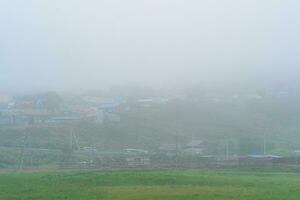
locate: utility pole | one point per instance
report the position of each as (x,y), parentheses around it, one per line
(70,154)
(176,155)
(227,150)
(21,161)
(73,140)
(265,145)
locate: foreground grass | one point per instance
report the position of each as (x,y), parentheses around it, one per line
(150,185)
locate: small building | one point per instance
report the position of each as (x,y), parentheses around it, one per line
(194,147)
(146,103)
(195,144)
(63,119)
(258,159)
(137,158)
(88,149)
(108,111)
(109,106)
(138,161)
(86,164)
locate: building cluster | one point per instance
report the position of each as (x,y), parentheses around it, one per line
(51,109)
(190,155)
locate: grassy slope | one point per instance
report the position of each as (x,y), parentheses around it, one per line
(160,185)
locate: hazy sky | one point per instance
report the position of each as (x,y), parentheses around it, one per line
(86,44)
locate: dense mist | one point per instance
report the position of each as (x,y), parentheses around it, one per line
(76,45)
(149,99)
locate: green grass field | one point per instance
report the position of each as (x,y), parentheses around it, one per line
(146,185)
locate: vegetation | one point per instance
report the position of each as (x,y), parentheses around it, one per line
(154,185)
(240,124)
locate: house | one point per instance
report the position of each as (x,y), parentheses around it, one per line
(86,164)
(258,159)
(136,151)
(33,109)
(195,144)
(146,103)
(137,161)
(63,119)
(88,149)
(109,105)
(108,111)
(137,158)
(194,147)
(88,113)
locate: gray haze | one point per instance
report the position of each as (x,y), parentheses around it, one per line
(88,44)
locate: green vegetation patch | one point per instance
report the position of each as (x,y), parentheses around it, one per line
(131,185)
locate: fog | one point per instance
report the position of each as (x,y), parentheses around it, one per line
(71,45)
(149,99)
(149,84)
